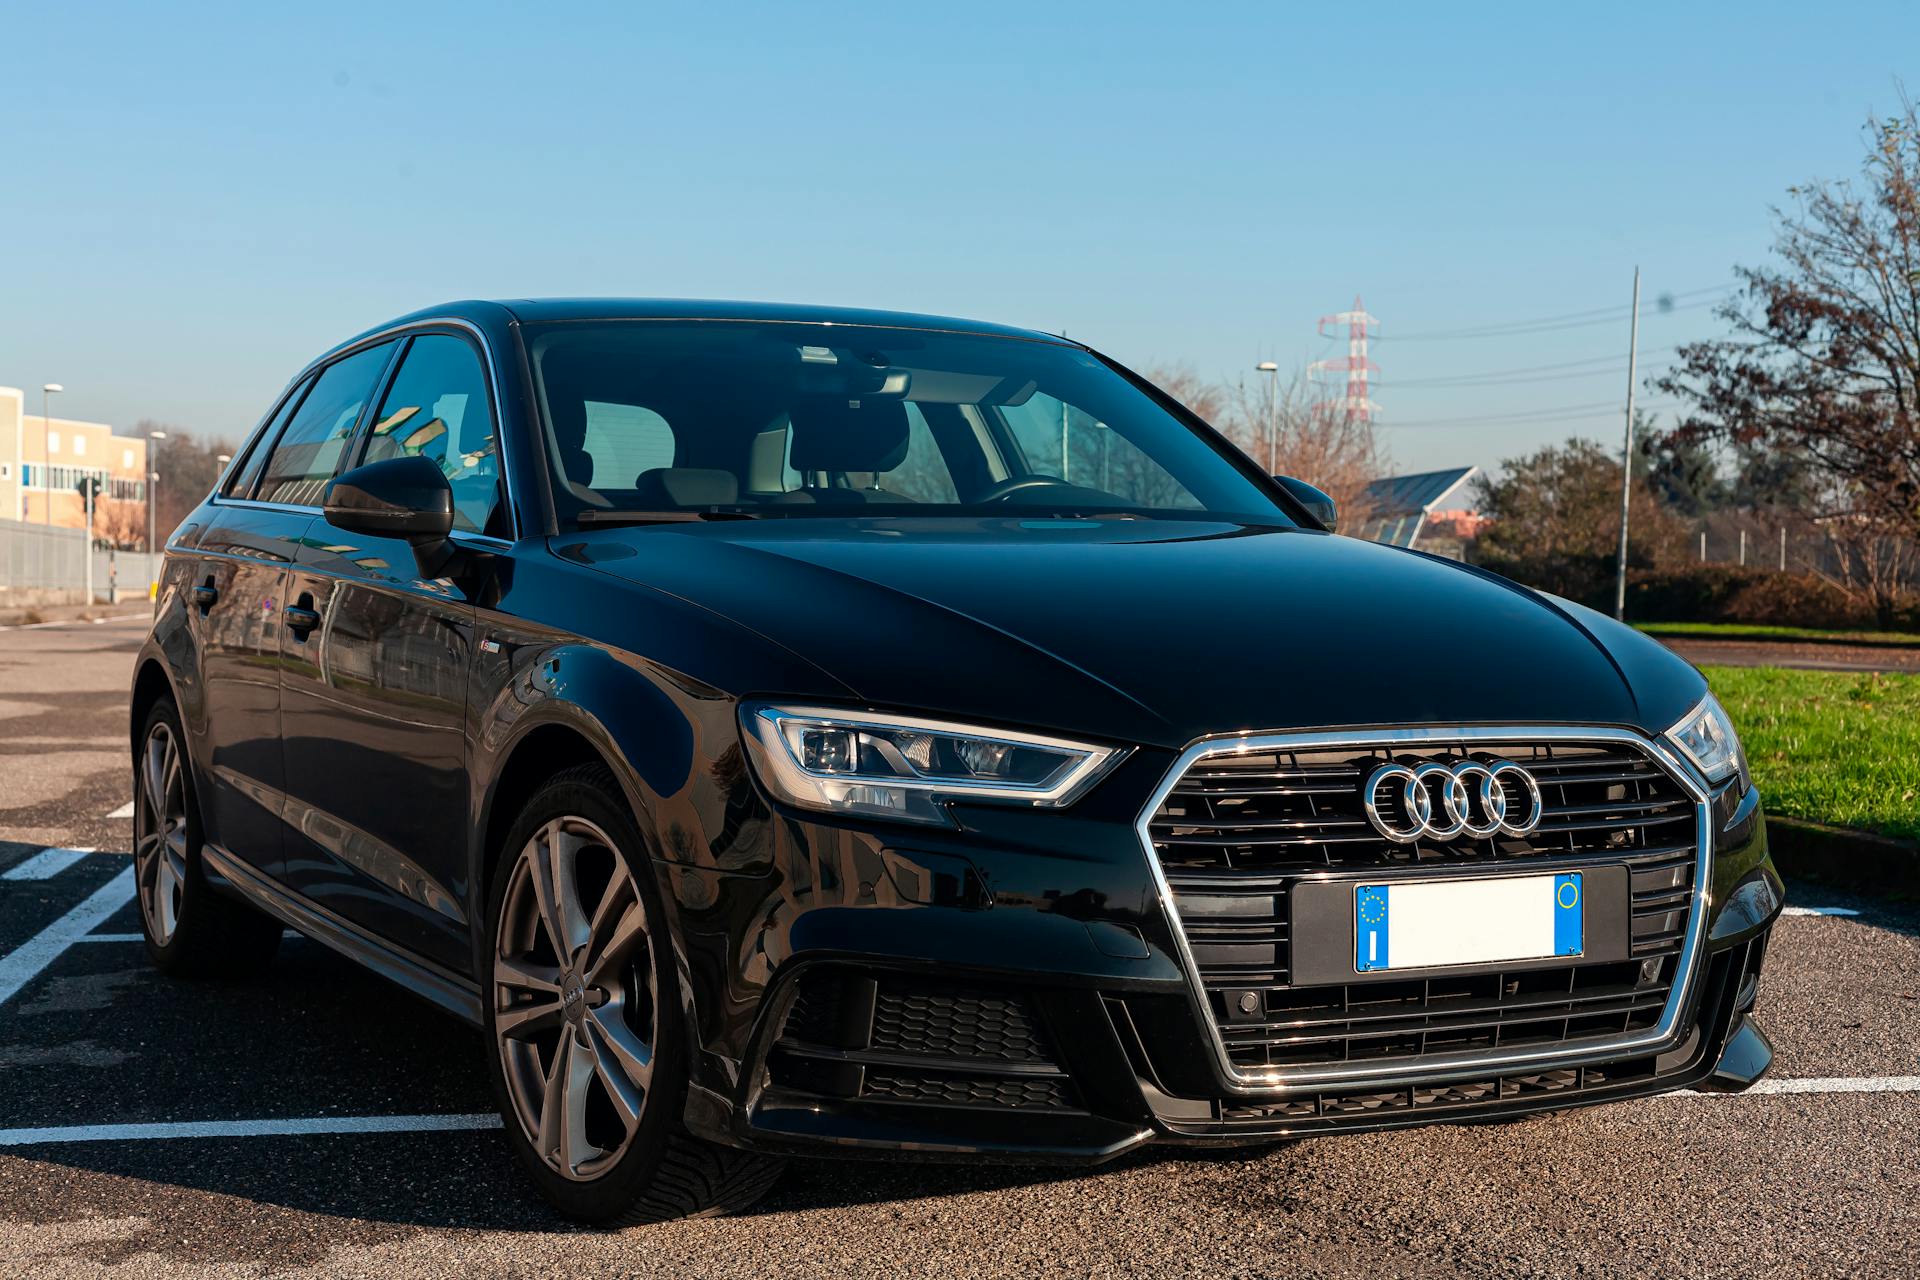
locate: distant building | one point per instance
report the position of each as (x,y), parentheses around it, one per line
(1429,511)
(42,463)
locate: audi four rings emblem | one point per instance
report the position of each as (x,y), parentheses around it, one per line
(1437,801)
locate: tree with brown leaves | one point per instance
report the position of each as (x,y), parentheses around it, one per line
(1823,364)
(1336,453)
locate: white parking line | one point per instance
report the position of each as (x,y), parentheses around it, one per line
(45,865)
(71,622)
(1818,911)
(24,963)
(112,937)
(124,811)
(1841,1084)
(248,1128)
(1816,1084)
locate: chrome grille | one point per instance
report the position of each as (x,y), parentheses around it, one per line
(1237,832)
(1296,811)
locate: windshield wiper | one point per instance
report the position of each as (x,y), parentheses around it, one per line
(680,515)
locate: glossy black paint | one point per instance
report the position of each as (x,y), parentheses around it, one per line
(364,768)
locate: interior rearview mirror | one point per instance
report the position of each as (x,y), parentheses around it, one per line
(1317,503)
(398,498)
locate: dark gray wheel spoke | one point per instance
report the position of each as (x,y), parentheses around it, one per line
(627,1094)
(563,1110)
(553,882)
(529,998)
(613,1039)
(622,941)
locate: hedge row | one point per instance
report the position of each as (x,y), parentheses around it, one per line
(1724,593)
(1711,593)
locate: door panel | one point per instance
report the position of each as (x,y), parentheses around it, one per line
(233,609)
(374,732)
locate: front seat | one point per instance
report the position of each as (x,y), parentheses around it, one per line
(838,435)
(569,417)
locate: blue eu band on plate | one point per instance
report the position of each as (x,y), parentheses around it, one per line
(1437,923)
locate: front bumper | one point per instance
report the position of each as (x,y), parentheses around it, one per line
(984,996)
(1104,1096)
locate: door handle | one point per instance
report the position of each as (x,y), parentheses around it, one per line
(301,618)
(206,595)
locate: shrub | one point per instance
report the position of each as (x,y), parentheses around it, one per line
(1725,593)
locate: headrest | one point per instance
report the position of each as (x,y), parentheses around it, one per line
(839,433)
(569,417)
(670,487)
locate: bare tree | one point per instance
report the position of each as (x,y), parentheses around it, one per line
(1275,423)
(1824,362)
(120,523)
(188,470)
(1190,389)
(1333,451)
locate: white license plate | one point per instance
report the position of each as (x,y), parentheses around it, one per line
(1428,924)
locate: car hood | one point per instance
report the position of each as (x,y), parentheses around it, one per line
(1153,631)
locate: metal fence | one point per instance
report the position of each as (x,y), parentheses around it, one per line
(38,557)
(1796,545)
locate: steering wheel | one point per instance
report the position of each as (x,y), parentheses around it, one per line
(1007,488)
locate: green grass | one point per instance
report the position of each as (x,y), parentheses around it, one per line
(1750,631)
(1830,746)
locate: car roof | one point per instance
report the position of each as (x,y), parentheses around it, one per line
(537,310)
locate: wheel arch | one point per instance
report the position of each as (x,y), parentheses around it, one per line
(151,683)
(539,753)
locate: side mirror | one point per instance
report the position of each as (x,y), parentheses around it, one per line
(1318,504)
(398,498)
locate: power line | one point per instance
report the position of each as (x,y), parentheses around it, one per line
(1469,381)
(1552,413)
(1550,368)
(1567,320)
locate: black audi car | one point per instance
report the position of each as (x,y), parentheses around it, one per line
(795,730)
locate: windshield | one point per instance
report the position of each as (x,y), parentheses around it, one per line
(664,419)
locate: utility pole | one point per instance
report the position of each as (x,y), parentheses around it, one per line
(1743,548)
(47,392)
(1703,546)
(90,484)
(1783,548)
(1626,455)
(153,500)
(1272,371)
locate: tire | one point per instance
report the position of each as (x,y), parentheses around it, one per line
(192,930)
(589,1064)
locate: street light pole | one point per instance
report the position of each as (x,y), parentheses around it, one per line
(1272,371)
(87,483)
(1626,456)
(153,500)
(47,392)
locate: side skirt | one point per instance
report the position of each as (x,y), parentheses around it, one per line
(457,995)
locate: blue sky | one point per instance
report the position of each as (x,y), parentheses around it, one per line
(200,198)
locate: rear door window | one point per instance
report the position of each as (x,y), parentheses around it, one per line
(242,483)
(310,450)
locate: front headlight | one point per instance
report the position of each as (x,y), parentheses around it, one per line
(905,767)
(1706,735)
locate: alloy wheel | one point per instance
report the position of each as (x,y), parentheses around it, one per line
(575,1010)
(160,833)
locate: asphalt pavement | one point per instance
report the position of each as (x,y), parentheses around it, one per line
(316,1121)
(1793,653)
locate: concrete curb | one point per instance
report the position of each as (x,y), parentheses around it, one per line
(1847,859)
(1838,638)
